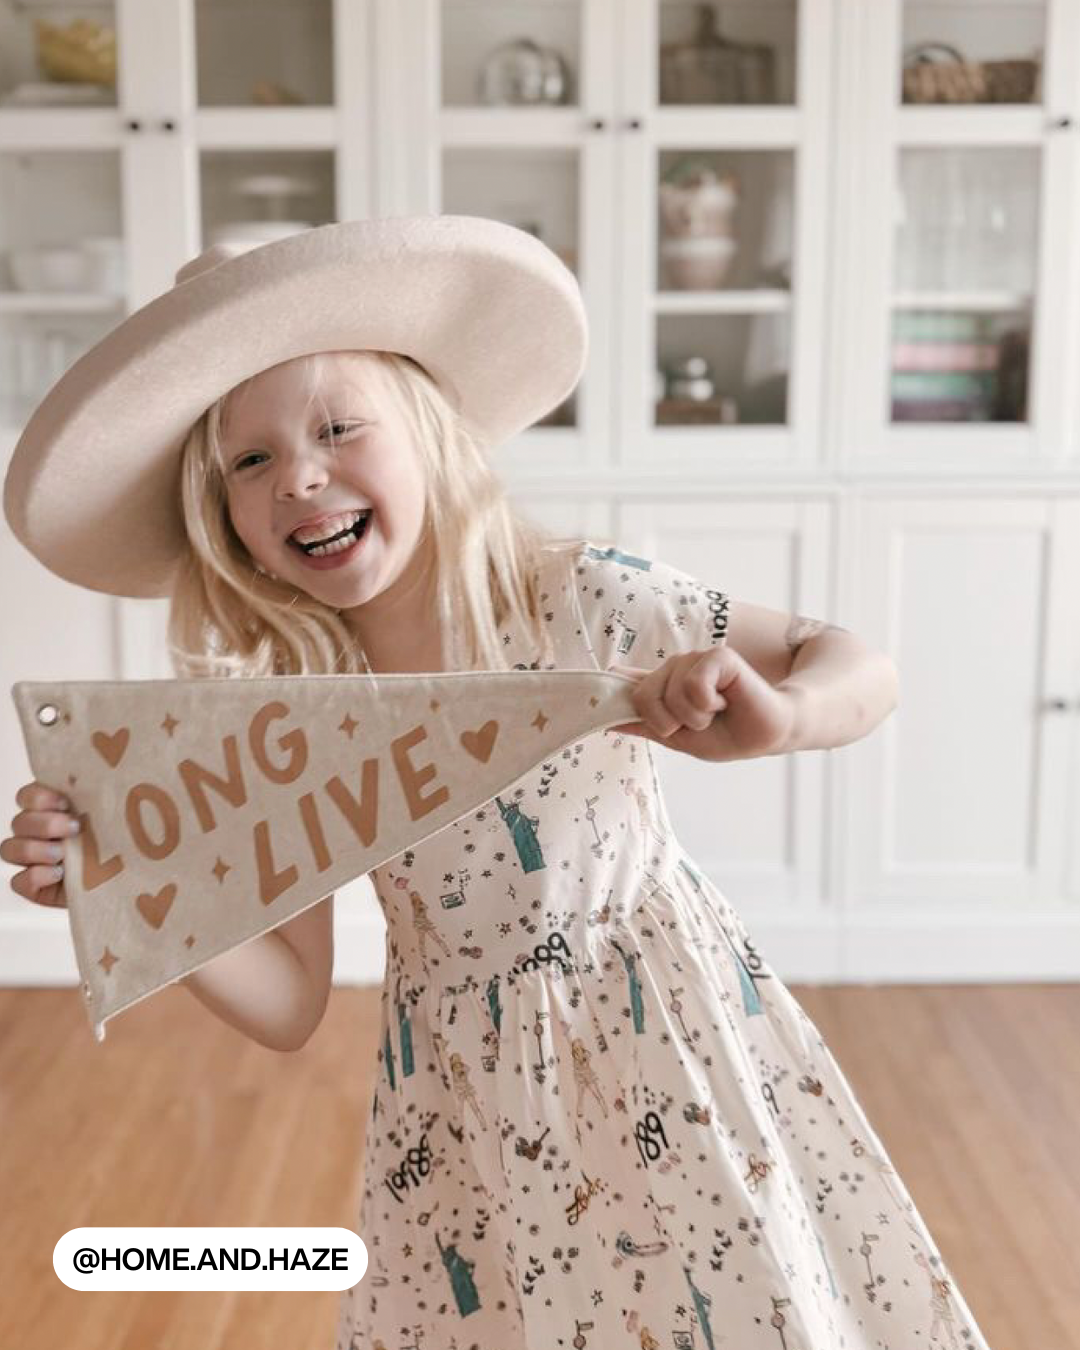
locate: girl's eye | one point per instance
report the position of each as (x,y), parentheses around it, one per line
(245,460)
(336,428)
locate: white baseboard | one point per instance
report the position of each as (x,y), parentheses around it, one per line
(1041,946)
(919,946)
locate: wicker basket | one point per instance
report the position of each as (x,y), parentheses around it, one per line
(935,73)
(83,52)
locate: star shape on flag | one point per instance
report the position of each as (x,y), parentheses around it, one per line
(107,960)
(169,725)
(219,870)
(540,721)
(348,725)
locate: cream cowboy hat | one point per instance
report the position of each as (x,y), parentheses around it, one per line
(488,310)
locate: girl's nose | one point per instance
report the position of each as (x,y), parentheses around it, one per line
(301,476)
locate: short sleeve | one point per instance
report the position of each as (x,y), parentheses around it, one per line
(638,611)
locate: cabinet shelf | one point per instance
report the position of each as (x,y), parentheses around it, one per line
(90,128)
(979,302)
(762,301)
(986,124)
(57,302)
(709,126)
(511,126)
(266,128)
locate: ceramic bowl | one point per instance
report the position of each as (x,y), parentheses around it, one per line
(697,264)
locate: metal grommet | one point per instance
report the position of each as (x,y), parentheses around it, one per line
(48,714)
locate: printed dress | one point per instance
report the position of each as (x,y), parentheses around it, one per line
(600,1119)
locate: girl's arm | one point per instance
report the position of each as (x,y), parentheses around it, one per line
(780,682)
(841,688)
(274,988)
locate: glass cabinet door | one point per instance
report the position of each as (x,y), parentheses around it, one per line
(665,150)
(496,54)
(514,145)
(966,245)
(976,51)
(62,255)
(264,194)
(721,287)
(724,113)
(727,55)
(62,268)
(267,106)
(61,252)
(264,53)
(56,55)
(960,265)
(967,217)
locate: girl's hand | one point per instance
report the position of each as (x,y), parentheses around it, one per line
(711,704)
(35,844)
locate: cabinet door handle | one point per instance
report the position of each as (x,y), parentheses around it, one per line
(134,124)
(1062,123)
(633,124)
(1056,705)
(597,123)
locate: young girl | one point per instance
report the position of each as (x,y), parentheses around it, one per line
(599,1118)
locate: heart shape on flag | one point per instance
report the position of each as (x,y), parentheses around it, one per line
(480,743)
(111,748)
(154,908)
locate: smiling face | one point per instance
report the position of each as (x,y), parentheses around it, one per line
(326,492)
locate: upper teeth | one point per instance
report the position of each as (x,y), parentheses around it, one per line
(326,529)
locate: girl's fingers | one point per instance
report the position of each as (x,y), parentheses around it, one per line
(680,693)
(649,700)
(644,697)
(40,885)
(45,818)
(44,825)
(693,704)
(24,852)
(38,797)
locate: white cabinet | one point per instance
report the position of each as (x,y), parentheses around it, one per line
(211,121)
(609,179)
(833,326)
(961,808)
(957,276)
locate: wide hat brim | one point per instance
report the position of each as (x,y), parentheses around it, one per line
(493,315)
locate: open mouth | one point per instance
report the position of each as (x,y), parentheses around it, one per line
(350,527)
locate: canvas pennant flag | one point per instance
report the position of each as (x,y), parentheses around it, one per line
(212,810)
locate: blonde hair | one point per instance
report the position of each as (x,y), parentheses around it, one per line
(227,617)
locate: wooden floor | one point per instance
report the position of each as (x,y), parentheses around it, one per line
(176,1119)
